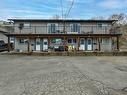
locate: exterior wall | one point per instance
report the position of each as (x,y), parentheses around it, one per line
(106,46)
(93,27)
(20,46)
(3,37)
(42,28)
(24,46)
(85,27)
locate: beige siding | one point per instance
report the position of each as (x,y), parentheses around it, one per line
(42,28)
(92,27)
(106,46)
(24,46)
(19,46)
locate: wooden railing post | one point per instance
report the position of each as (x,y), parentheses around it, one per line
(49,41)
(64,38)
(9,47)
(99,41)
(118,43)
(78,41)
(29,44)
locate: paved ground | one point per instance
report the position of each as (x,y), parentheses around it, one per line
(33,75)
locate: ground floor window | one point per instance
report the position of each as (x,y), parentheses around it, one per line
(56,41)
(69,40)
(105,40)
(82,41)
(22,41)
(72,41)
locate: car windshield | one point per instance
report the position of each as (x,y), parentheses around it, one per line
(1,42)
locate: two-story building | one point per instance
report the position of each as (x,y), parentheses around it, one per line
(81,35)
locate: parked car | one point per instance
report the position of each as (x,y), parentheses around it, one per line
(4,46)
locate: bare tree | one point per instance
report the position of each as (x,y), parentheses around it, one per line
(56,17)
(122,18)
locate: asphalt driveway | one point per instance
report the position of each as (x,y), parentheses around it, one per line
(36,75)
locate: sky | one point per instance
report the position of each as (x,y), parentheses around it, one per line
(45,9)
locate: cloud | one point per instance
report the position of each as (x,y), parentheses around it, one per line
(113,4)
(48,8)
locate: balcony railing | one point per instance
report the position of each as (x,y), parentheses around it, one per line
(63,30)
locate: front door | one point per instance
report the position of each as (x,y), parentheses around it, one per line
(82,44)
(45,44)
(88,44)
(38,44)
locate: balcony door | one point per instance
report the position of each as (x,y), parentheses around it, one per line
(52,28)
(74,28)
(45,44)
(88,44)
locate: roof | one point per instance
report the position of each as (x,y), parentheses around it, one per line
(59,20)
(3,31)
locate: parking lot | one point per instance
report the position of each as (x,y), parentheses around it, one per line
(39,75)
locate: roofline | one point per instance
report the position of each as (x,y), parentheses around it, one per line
(61,35)
(60,20)
(3,31)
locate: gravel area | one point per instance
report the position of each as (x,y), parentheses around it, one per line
(55,75)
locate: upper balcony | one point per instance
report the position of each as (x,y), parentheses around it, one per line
(63,30)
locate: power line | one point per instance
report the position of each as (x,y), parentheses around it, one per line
(61,4)
(69,10)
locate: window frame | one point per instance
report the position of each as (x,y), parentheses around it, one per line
(50,27)
(75,27)
(72,41)
(22,41)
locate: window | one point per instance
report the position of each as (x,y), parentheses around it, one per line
(52,28)
(82,41)
(45,43)
(69,40)
(38,42)
(72,40)
(26,25)
(56,41)
(105,41)
(100,25)
(75,27)
(22,41)
(12,39)
(89,42)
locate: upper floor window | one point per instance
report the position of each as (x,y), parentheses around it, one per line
(24,25)
(75,27)
(100,25)
(22,41)
(52,28)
